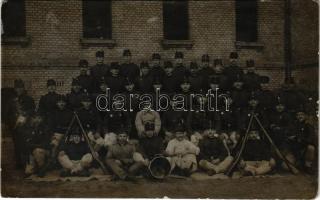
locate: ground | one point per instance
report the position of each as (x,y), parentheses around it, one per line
(293,187)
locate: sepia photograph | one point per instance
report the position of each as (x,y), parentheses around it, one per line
(209,99)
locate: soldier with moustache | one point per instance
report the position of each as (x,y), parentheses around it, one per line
(144,82)
(128,68)
(74,97)
(115,81)
(180,70)
(99,70)
(170,82)
(47,103)
(197,81)
(156,69)
(233,70)
(85,79)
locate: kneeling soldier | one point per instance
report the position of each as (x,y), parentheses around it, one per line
(214,157)
(182,153)
(120,158)
(256,157)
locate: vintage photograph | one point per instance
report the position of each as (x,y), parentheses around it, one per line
(209,99)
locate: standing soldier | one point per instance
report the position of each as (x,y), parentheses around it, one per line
(99,70)
(251,79)
(233,70)
(197,81)
(85,79)
(170,83)
(239,96)
(156,69)
(206,71)
(21,107)
(145,80)
(180,70)
(74,97)
(47,103)
(218,72)
(129,69)
(185,90)
(115,81)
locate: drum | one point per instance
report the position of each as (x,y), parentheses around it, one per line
(159,167)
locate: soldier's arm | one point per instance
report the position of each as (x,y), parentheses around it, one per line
(139,125)
(157,122)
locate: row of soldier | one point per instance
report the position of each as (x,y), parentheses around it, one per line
(210,137)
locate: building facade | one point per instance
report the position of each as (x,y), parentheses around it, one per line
(54,38)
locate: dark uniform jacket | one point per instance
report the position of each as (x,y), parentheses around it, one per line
(206,73)
(115,83)
(116,120)
(281,123)
(293,99)
(76,146)
(231,73)
(212,148)
(97,72)
(144,84)
(198,82)
(59,120)
(149,147)
(170,84)
(171,118)
(197,120)
(89,118)
(157,72)
(130,70)
(256,150)
(86,83)
(179,73)
(47,103)
(74,100)
(251,81)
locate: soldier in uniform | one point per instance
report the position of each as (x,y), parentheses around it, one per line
(252,81)
(156,69)
(74,97)
(147,116)
(145,80)
(256,157)
(170,83)
(85,79)
(36,143)
(218,72)
(115,81)
(233,70)
(48,102)
(300,143)
(197,81)
(239,96)
(206,71)
(180,70)
(129,69)
(214,157)
(120,158)
(185,91)
(20,107)
(99,70)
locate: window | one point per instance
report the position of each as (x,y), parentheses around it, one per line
(246,20)
(175,20)
(13,18)
(97,19)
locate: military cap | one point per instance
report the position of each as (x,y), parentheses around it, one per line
(217,62)
(100,54)
(61,97)
(250,63)
(234,55)
(149,126)
(86,97)
(83,63)
(75,81)
(144,65)
(168,64)
(128,81)
(126,52)
(114,65)
(193,65)
(179,128)
(205,58)
(185,80)
(214,79)
(156,56)
(18,83)
(51,82)
(178,54)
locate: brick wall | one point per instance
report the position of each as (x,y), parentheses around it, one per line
(55,28)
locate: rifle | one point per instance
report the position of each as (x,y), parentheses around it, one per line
(93,152)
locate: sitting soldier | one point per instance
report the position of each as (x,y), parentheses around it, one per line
(214,157)
(37,141)
(146,115)
(75,156)
(256,156)
(120,158)
(182,153)
(300,148)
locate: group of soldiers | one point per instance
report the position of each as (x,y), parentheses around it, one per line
(70,133)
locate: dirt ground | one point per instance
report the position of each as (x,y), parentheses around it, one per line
(293,187)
